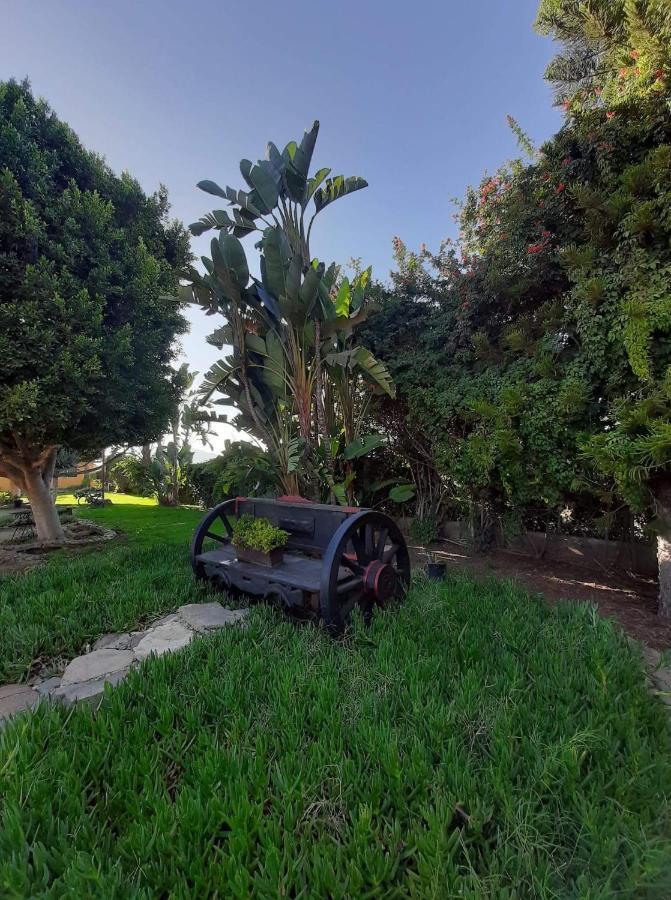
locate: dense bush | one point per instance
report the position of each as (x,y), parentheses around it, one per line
(241,470)
(533,355)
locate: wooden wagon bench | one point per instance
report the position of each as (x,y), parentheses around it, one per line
(336,557)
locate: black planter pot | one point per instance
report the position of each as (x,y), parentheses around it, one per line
(436,571)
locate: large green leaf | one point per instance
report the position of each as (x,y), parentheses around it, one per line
(315,181)
(276,261)
(276,162)
(342,301)
(402,493)
(264,185)
(233,255)
(374,371)
(363,445)
(211,187)
(337,187)
(362,360)
(225,277)
(310,287)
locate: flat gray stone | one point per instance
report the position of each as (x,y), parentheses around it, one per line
(97,664)
(165,620)
(46,687)
(207,616)
(125,640)
(15,697)
(164,639)
(91,691)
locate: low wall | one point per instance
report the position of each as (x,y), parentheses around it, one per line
(590,553)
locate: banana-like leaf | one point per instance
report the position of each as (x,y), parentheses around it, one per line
(211,187)
(359,287)
(294,275)
(277,165)
(264,185)
(256,343)
(310,288)
(363,445)
(266,299)
(362,360)
(330,275)
(225,278)
(343,298)
(315,181)
(276,257)
(243,199)
(337,187)
(233,255)
(328,310)
(402,493)
(220,337)
(245,169)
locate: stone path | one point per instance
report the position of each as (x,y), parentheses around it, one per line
(114,655)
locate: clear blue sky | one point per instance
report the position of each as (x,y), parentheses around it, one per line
(412,96)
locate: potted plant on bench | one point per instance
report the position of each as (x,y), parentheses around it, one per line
(258,541)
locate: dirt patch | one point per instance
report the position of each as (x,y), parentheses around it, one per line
(80,534)
(631,601)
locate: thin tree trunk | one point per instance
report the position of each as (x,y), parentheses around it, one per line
(664,565)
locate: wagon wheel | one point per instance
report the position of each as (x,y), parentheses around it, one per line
(215,530)
(371,549)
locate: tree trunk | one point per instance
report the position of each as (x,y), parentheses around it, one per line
(661,488)
(47,523)
(146,455)
(664,565)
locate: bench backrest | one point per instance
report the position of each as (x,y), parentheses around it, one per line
(310,525)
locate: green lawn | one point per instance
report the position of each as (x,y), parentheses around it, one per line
(54,611)
(471,743)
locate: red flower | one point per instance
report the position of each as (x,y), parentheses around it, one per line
(536,248)
(634,54)
(547,234)
(660,74)
(623,72)
(560,187)
(610,114)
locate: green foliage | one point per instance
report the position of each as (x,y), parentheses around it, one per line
(517,350)
(86,323)
(452,780)
(242,470)
(258,534)
(424,530)
(5,498)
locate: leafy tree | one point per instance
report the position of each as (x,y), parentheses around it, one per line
(291,329)
(87,266)
(541,370)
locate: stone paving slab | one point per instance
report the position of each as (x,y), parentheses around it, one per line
(97,664)
(125,640)
(114,655)
(203,617)
(14,698)
(86,690)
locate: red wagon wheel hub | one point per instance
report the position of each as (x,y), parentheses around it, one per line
(380,580)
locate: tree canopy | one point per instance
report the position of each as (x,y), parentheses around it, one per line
(534,353)
(87,320)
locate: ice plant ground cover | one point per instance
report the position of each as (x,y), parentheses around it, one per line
(472,741)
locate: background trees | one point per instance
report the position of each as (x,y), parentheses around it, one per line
(88,262)
(540,370)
